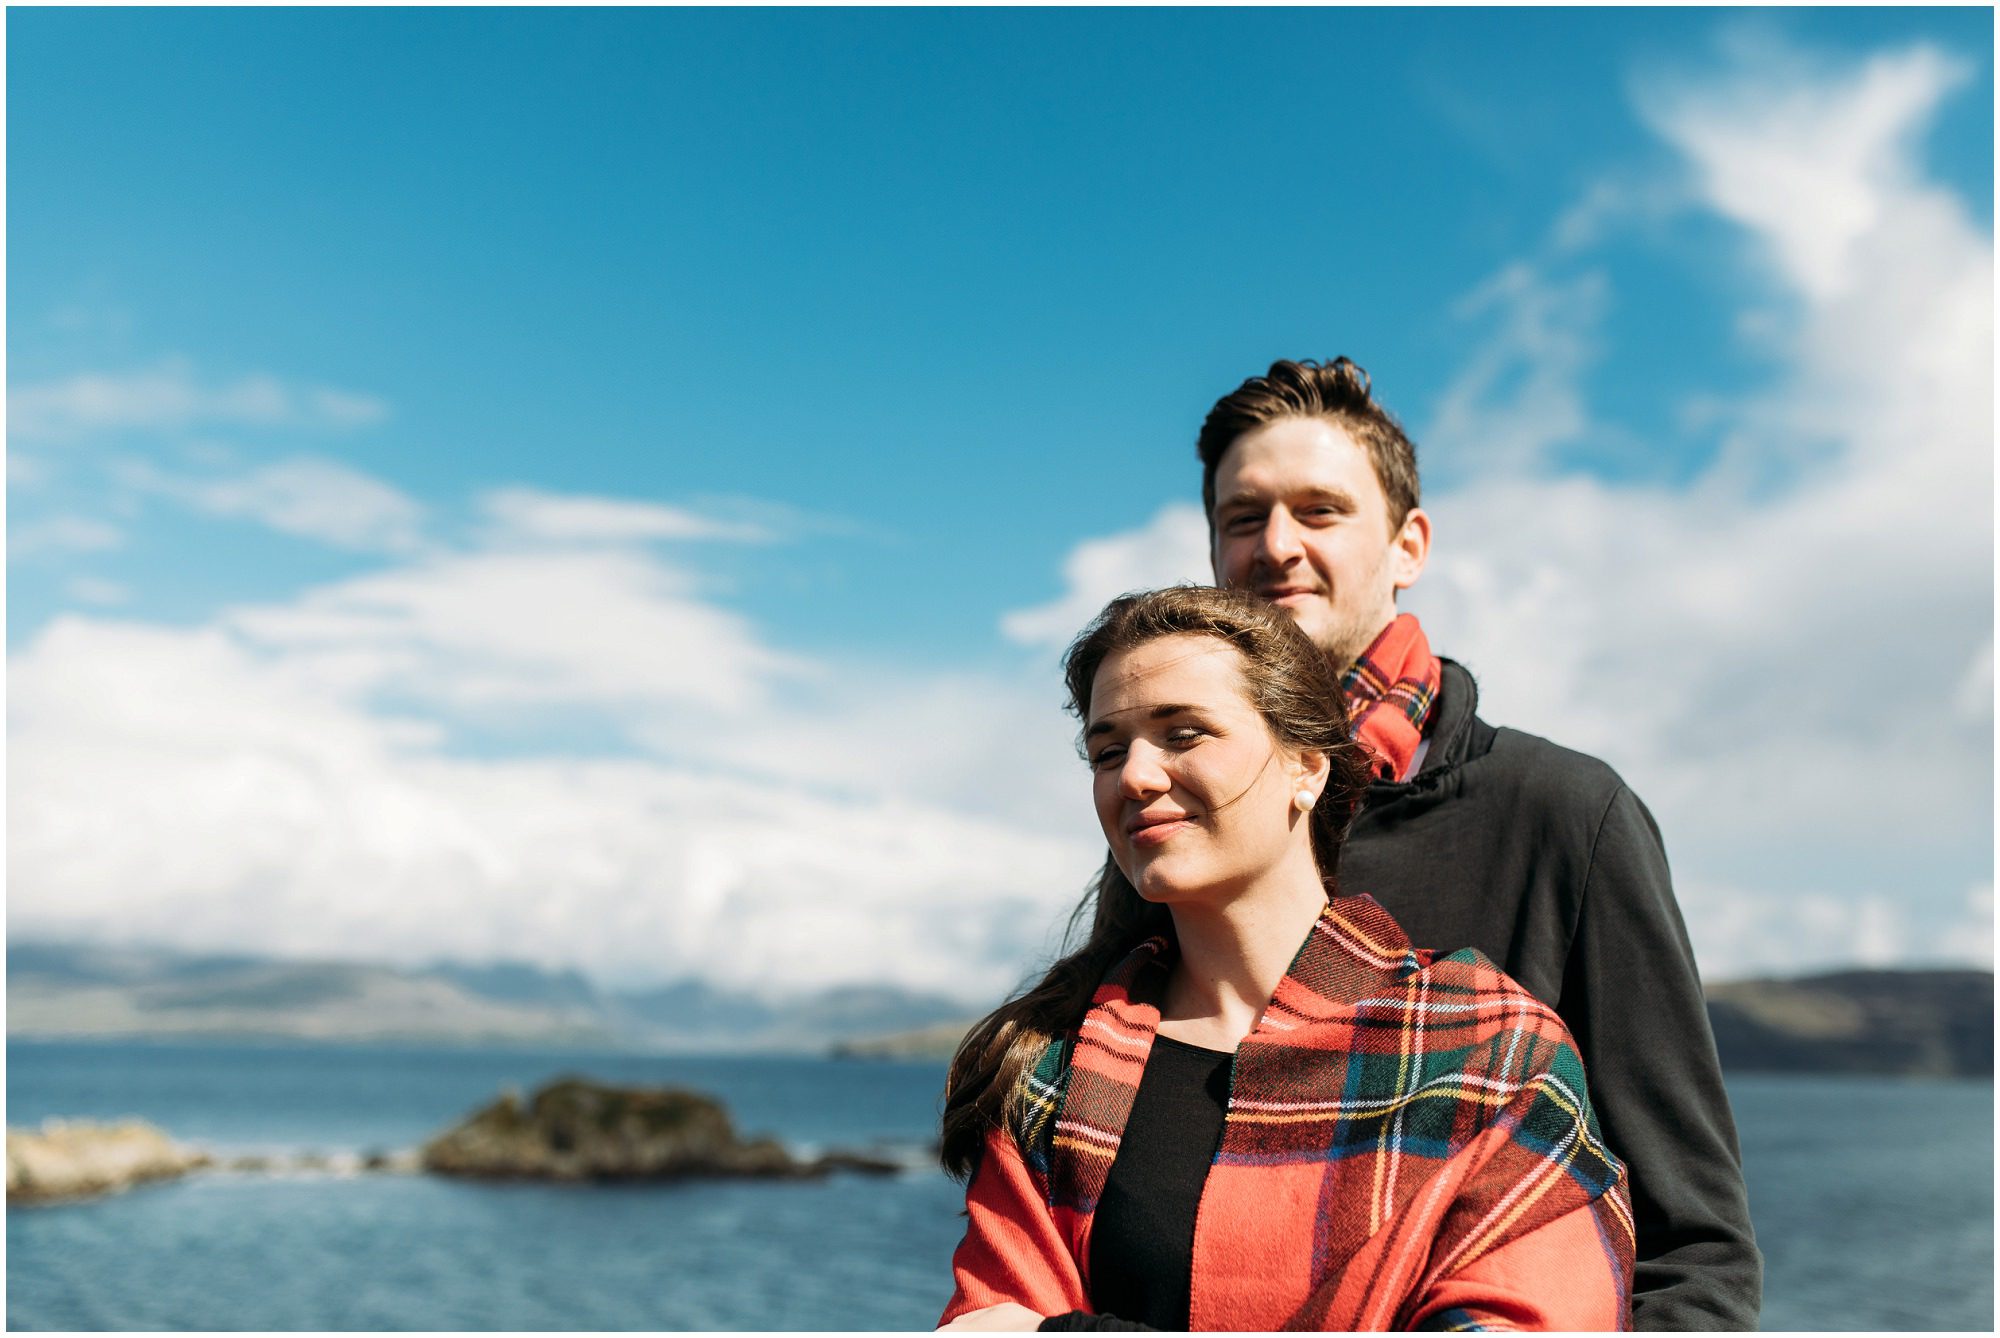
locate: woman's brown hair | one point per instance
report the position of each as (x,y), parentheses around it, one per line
(1288,680)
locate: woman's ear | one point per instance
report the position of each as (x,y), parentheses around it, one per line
(1311,768)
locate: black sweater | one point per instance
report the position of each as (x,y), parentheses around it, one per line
(1543,860)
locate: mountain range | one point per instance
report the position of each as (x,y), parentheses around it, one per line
(68,990)
(1923,1022)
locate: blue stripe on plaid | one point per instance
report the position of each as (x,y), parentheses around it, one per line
(1454,1320)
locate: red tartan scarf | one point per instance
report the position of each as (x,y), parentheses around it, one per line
(1390,691)
(1407,1140)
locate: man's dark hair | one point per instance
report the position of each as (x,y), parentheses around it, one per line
(1336,391)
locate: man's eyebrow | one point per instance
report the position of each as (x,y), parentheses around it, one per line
(1318,492)
(1240,499)
(1160,712)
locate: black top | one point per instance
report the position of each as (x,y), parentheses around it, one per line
(1545,861)
(1142,1236)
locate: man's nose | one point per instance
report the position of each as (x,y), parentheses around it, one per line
(1142,776)
(1279,543)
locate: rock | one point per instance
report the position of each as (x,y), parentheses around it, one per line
(69,1160)
(575,1129)
(861,1163)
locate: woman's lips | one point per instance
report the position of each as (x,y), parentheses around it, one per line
(1158,833)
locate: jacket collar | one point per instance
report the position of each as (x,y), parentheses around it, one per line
(1458,699)
(1454,732)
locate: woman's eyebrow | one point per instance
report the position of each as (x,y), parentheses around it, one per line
(1160,712)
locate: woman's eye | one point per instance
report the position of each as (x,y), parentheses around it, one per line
(1104,756)
(1186,734)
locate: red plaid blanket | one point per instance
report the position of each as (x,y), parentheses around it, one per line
(1408,1144)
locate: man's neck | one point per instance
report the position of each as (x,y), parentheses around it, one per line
(1346,657)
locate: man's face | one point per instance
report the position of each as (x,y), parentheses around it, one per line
(1301,520)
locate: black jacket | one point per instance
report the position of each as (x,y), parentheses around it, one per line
(1543,860)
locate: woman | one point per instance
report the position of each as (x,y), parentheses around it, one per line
(1374,1138)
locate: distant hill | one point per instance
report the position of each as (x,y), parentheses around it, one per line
(691,1014)
(1916,1023)
(62,990)
(1930,1023)
(55,990)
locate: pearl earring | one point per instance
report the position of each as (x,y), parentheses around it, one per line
(1304,799)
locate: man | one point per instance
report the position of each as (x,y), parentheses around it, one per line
(1489,838)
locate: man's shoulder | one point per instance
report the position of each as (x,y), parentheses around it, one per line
(1549,768)
(1463,739)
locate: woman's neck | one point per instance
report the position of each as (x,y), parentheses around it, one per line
(1232,957)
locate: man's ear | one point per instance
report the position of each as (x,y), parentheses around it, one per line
(1410,548)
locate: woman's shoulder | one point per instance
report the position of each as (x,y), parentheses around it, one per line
(1482,1028)
(1037,1099)
(1471,1002)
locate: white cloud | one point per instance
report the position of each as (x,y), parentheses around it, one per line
(493,630)
(283,779)
(1171,548)
(293,776)
(530,515)
(1972,699)
(97,590)
(220,787)
(1613,204)
(63,534)
(1783,657)
(309,497)
(1790,658)
(1828,163)
(1971,939)
(1518,397)
(1821,929)
(170,396)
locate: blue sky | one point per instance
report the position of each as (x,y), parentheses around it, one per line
(480,414)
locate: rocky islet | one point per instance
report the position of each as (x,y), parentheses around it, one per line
(571,1129)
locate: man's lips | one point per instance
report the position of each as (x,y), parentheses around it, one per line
(1278,594)
(1153,829)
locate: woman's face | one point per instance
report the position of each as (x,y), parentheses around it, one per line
(1194,795)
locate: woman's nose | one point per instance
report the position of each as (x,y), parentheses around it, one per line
(1142,776)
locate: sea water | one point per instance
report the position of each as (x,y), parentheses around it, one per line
(1873,1200)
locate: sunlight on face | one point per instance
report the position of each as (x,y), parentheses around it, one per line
(1193,793)
(1301,520)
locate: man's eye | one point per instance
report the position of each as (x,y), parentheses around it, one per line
(1246,523)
